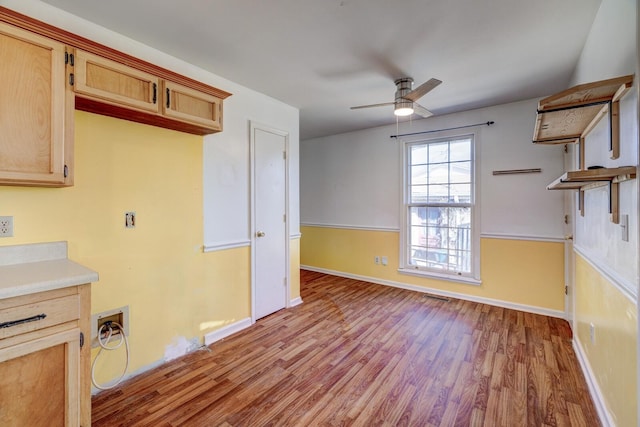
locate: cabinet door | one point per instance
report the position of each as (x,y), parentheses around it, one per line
(40,382)
(191,106)
(108,81)
(36,111)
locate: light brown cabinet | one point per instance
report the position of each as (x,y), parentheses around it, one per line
(36,110)
(113,83)
(46,73)
(112,88)
(44,365)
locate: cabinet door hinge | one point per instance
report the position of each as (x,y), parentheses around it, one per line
(284,155)
(68,58)
(66,171)
(81,339)
(71,79)
(566,290)
(284,217)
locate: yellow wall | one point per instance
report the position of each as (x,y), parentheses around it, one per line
(613,356)
(158,269)
(530,273)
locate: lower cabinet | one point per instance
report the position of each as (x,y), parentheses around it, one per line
(44,362)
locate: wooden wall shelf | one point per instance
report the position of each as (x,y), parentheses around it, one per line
(576,180)
(568,116)
(586,179)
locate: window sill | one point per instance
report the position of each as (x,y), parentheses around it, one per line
(440,276)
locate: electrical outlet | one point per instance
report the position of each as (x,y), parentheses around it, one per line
(6,226)
(376,259)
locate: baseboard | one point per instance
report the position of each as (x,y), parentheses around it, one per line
(488,301)
(592,383)
(295,301)
(225,331)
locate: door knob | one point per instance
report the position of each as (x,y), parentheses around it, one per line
(260,234)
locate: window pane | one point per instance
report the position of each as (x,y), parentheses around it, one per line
(418,174)
(438,193)
(460,193)
(460,172)
(438,174)
(460,150)
(418,154)
(418,194)
(438,152)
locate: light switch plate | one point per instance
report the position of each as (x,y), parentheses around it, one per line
(624,227)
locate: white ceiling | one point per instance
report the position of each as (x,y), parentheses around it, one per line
(323,56)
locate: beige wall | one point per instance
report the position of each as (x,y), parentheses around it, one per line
(527,274)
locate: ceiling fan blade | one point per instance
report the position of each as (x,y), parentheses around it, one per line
(421,111)
(372,105)
(425,87)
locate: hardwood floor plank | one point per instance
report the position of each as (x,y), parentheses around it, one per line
(360,354)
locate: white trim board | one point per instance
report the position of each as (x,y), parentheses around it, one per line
(351,227)
(503,236)
(521,237)
(489,301)
(295,301)
(226,245)
(592,384)
(227,330)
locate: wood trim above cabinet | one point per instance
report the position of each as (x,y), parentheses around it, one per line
(97,103)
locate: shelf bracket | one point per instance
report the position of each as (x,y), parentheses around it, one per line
(581,149)
(581,201)
(614,130)
(614,202)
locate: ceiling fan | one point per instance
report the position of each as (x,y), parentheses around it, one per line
(405,100)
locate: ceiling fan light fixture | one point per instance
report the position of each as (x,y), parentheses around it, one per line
(403,108)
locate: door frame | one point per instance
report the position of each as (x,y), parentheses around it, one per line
(253,127)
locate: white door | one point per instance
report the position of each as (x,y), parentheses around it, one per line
(569,224)
(270,252)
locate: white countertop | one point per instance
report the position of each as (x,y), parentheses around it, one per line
(27,269)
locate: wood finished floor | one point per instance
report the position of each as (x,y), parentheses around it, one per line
(359,354)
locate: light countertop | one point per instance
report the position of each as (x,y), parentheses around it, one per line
(27,269)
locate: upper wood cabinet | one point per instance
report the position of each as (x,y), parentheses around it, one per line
(109,87)
(46,72)
(36,110)
(113,83)
(188,105)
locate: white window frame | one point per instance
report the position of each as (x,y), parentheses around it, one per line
(472,277)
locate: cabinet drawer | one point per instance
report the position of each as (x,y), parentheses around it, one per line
(37,315)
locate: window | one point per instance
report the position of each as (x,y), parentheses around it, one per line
(439,207)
